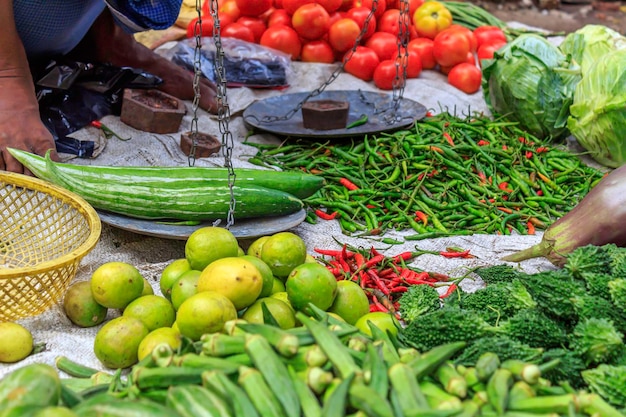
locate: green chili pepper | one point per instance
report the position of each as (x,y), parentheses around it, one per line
(358,122)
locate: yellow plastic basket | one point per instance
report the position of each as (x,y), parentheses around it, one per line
(45,231)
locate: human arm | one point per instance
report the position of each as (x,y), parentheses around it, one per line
(20,123)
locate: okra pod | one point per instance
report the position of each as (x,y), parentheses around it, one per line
(498,387)
(486,365)
(275,373)
(196,401)
(528,372)
(403,381)
(309,403)
(193,360)
(390,352)
(285,343)
(429,361)
(338,354)
(307,356)
(364,398)
(451,380)
(220,344)
(72,368)
(521,390)
(233,394)
(336,403)
(151,378)
(263,398)
(375,367)
(438,398)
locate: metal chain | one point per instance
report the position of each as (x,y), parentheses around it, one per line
(223,111)
(333,76)
(197,73)
(399,81)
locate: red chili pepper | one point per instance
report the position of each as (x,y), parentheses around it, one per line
(404,256)
(97,123)
(531,227)
(454,254)
(528,154)
(326,216)
(521,139)
(371,206)
(539,192)
(436,149)
(451,288)
(438,277)
(504,186)
(328,252)
(359,260)
(429,114)
(378,282)
(374,261)
(504,147)
(377,307)
(413,281)
(336,272)
(505,209)
(399,289)
(421,216)
(448,138)
(541,149)
(348,184)
(482,142)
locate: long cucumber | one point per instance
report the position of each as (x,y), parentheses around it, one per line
(298,184)
(161,202)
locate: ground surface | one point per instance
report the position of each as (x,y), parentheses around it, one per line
(567,16)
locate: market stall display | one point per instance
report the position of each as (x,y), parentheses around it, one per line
(388,297)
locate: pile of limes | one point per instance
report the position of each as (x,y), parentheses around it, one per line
(215,282)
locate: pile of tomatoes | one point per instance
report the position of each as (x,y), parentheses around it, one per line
(326,31)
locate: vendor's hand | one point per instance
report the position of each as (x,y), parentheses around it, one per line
(20,123)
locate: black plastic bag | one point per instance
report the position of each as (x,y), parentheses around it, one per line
(73,94)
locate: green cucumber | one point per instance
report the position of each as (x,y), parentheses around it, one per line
(159,201)
(298,184)
(34,384)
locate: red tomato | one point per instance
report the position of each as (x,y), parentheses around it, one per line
(466,77)
(468,33)
(381,6)
(336,16)
(390,22)
(346,5)
(279,17)
(255,24)
(359,15)
(253,8)
(486,50)
(292,5)
(385,74)
(230,8)
(317,51)
(362,63)
(311,21)
(238,31)
(450,47)
(278,4)
(330,5)
(413,5)
(424,48)
(488,34)
(282,38)
(384,44)
(413,63)
(342,34)
(206,26)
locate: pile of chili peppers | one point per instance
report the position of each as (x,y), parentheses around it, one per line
(384,279)
(445,176)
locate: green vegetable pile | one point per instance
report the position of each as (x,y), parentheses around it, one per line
(327,368)
(576,314)
(576,88)
(446,175)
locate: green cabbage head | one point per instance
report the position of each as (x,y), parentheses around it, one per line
(598,113)
(589,43)
(530,81)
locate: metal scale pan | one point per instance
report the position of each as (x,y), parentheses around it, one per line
(265,115)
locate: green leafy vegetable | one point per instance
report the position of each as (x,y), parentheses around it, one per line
(589,43)
(417,301)
(598,110)
(532,82)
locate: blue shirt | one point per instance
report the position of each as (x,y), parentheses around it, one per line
(55,27)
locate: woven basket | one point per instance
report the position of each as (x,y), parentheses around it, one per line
(45,231)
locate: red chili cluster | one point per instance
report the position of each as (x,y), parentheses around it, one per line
(384,279)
